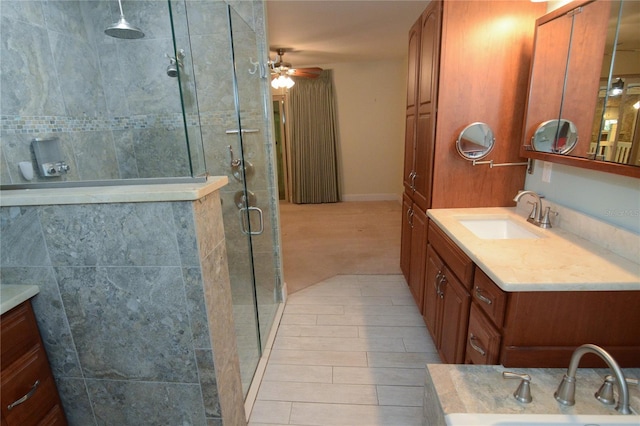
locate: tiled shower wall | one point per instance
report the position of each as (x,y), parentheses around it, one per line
(118,115)
(134,308)
(109,101)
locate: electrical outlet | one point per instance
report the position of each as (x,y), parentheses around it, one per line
(546,172)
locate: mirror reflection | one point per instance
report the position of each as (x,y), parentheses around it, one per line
(615,129)
(555,136)
(475,141)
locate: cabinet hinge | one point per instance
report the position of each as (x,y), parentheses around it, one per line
(574,12)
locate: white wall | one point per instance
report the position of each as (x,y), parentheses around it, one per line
(371,99)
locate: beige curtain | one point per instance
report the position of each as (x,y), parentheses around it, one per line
(314,141)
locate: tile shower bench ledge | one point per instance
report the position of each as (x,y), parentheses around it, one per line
(480,389)
(112,194)
(557,260)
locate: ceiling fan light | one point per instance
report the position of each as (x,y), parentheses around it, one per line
(616,87)
(282,81)
(288,82)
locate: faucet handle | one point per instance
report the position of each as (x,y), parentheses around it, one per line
(523,392)
(534,210)
(605,393)
(545,222)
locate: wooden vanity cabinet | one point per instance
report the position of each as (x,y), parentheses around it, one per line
(485,321)
(473,321)
(462,69)
(542,329)
(446,297)
(28,386)
(414,233)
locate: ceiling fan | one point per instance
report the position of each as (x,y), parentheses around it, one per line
(281,68)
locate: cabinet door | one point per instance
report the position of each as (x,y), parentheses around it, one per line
(405,241)
(588,38)
(427,97)
(418,255)
(455,319)
(546,82)
(430,310)
(483,340)
(412,105)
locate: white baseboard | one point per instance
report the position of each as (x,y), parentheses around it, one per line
(372,197)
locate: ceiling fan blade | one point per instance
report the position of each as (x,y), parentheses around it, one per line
(306,72)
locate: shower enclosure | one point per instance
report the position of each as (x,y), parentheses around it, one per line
(177,97)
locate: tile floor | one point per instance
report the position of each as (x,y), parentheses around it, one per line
(349,350)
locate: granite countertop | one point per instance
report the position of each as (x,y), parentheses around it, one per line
(12,295)
(556,261)
(480,389)
(112,194)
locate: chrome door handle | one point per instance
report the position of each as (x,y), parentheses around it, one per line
(25,397)
(247,230)
(442,280)
(481,297)
(475,347)
(410,217)
(413,180)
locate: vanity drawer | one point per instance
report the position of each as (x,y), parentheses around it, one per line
(18,327)
(483,340)
(489,297)
(29,379)
(457,261)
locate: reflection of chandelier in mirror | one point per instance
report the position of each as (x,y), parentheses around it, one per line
(616,87)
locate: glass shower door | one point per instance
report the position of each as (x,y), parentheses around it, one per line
(255,301)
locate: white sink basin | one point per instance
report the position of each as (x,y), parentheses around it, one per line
(539,420)
(492,228)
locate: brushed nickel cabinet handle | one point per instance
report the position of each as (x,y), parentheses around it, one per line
(477,348)
(481,297)
(25,397)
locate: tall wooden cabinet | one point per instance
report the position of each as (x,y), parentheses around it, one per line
(468,61)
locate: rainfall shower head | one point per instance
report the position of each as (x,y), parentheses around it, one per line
(123,29)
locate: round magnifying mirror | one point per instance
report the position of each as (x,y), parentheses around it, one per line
(555,136)
(475,141)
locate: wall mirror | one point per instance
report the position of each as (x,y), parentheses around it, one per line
(475,141)
(586,71)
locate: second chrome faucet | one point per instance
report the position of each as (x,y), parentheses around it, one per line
(537,217)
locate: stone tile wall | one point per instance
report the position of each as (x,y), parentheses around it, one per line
(131,298)
(109,101)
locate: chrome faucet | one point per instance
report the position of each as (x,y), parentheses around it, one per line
(566,392)
(536,217)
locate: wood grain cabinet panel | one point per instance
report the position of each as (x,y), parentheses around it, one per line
(483,339)
(446,297)
(457,261)
(431,307)
(29,395)
(489,297)
(455,319)
(418,255)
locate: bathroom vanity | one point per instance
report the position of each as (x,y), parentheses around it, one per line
(527,297)
(29,393)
